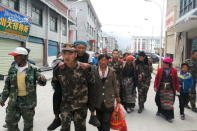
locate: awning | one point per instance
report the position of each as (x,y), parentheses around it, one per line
(187,22)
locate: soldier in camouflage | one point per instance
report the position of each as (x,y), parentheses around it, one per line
(193,70)
(20,87)
(117,65)
(143,70)
(74,82)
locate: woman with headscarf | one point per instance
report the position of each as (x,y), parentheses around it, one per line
(166,85)
(128,86)
(143,70)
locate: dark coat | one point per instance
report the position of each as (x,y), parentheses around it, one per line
(105,93)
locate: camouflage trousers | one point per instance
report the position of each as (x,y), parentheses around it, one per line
(79,118)
(14,113)
(142,93)
(192,96)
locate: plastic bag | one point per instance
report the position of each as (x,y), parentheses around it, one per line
(118,121)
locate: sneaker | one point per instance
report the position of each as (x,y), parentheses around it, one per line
(5,125)
(55,124)
(183,117)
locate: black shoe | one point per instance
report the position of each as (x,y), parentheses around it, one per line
(158,114)
(169,120)
(129,110)
(94,121)
(182,117)
(55,124)
(5,125)
(194,109)
(188,107)
(140,110)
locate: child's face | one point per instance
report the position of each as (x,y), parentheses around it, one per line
(184,68)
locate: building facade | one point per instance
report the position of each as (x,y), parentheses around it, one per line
(88,27)
(146,43)
(172,15)
(108,44)
(50,28)
(185,28)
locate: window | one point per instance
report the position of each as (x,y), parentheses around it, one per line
(186,6)
(64,29)
(36,15)
(53,23)
(13,4)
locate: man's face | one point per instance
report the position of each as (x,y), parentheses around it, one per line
(20,59)
(115,54)
(103,62)
(69,56)
(141,58)
(81,49)
(194,55)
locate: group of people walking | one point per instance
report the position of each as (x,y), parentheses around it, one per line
(80,85)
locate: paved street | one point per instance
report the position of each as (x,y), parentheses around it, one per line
(147,121)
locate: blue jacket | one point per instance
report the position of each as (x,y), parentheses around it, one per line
(186,82)
(95,61)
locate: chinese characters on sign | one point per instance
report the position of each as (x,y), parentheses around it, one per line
(13,25)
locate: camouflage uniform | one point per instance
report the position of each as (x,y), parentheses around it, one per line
(118,67)
(21,105)
(75,85)
(193,70)
(143,70)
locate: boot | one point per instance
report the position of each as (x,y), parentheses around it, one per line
(55,124)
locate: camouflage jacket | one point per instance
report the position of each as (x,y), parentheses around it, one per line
(192,67)
(117,66)
(144,70)
(11,89)
(75,84)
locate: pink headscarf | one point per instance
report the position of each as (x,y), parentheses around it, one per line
(167,60)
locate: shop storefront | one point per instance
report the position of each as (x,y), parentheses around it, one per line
(14,30)
(36,45)
(52,51)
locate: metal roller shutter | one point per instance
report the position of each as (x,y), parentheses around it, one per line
(6,46)
(36,53)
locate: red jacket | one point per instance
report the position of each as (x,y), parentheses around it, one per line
(173,73)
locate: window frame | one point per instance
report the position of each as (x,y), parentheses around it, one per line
(64,29)
(52,17)
(40,14)
(186,6)
(16,4)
